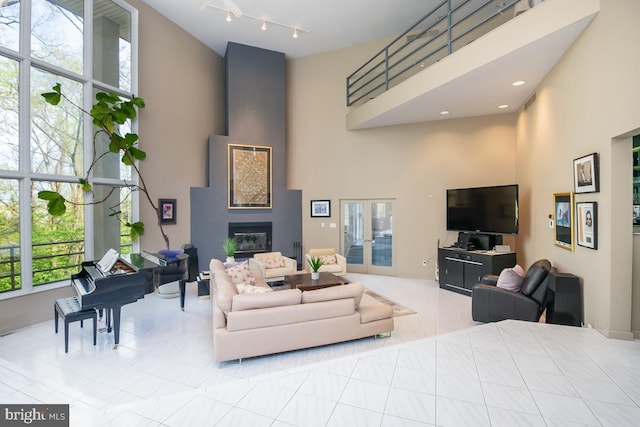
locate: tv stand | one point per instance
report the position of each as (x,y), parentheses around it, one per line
(459,269)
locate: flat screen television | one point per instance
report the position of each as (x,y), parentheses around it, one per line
(490,210)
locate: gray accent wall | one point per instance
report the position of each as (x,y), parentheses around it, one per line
(255,108)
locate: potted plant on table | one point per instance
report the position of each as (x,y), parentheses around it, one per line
(315,262)
(229,247)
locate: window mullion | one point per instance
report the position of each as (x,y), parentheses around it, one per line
(24,137)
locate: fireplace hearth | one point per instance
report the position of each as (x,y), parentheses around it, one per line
(251,238)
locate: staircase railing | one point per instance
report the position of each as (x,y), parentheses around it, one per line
(451,25)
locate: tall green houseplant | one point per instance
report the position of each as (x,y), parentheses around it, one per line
(108,113)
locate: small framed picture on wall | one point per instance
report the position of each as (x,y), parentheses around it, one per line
(587,224)
(563,215)
(320,208)
(167,208)
(585,174)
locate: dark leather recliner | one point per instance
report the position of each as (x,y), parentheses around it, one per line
(491,304)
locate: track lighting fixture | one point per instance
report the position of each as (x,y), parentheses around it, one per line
(239,14)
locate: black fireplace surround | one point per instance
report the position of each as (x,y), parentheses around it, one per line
(251,238)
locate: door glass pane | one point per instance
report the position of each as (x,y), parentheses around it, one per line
(354,232)
(112,44)
(382,232)
(56,32)
(57,242)
(9,235)
(9,114)
(10,24)
(56,131)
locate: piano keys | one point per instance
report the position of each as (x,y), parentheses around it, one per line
(123,284)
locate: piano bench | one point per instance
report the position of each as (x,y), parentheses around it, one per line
(71,311)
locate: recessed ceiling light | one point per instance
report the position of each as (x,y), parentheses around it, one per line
(264,26)
(503,106)
(444,112)
(518,83)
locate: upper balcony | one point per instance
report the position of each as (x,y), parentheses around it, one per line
(444,64)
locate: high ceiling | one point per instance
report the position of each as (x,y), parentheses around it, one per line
(333,24)
(323,24)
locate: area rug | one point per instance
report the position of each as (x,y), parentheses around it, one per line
(398,309)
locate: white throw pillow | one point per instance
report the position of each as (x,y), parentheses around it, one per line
(511,278)
(240,273)
(250,289)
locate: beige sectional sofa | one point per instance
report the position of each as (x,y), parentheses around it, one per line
(257,323)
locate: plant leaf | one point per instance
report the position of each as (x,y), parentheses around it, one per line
(54,97)
(136,230)
(85,185)
(48,195)
(116,144)
(56,207)
(138,102)
(137,154)
(130,139)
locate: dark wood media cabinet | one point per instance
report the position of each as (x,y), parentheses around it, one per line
(459,270)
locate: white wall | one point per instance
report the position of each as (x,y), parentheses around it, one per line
(182,82)
(587,103)
(413,164)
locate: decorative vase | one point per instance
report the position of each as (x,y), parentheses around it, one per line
(230,260)
(315,275)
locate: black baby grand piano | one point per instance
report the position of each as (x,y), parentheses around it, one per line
(109,284)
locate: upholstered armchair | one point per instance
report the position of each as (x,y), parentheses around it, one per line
(332,262)
(491,303)
(273,265)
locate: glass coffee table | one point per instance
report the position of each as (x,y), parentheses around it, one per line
(304,282)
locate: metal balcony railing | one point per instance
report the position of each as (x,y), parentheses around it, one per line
(51,261)
(451,25)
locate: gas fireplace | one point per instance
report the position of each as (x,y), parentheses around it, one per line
(250,237)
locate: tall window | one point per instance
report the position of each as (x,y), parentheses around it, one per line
(87,46)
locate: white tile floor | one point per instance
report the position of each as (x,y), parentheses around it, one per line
(438,368)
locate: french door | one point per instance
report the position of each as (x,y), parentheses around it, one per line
(368,235)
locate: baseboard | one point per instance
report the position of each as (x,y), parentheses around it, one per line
(618,335)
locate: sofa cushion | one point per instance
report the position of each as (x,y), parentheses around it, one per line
(225,290)
(330,268)
(511,278)
(328,259)
(270,299)
(372,310)
(240,273)
(286,315)
(272,262)
(352,290)
(321,252)
(250,289)
(277,272)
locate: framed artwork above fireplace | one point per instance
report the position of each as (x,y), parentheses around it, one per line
(249,181)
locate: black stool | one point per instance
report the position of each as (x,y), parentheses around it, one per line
(71,311)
